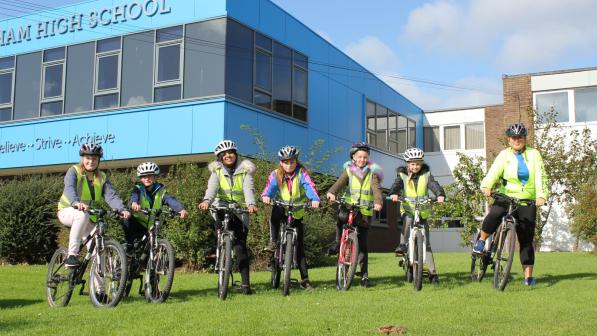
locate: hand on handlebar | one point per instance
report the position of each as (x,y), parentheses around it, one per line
(540,202)
(252,209)
(441,199)
(81,206)
(125,214)
(203,205)
(183,214)
(394,198)
(135,206)
(331,197)
(377,207)
(266,200)
(315,204)
(486,191)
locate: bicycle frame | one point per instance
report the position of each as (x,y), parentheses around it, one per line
(416,226)
(229,209)
(287,226)
(349,226)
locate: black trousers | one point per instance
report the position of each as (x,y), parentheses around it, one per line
(240,244)
(132,229)
(278,214)
(363,235)
(525,228)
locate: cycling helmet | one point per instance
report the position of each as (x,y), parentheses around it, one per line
(148,168)
(413,154)
(288,152)
(225,145)
(91,149)
(516,129)
(357,147)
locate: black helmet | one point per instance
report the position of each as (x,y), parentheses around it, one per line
(516,129)
(357,147)
(91,149)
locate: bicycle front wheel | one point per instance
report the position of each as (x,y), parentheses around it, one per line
(59,288)
(224,267)
(347,261)
(479,265)
(276,268)
(504,257)
(418,261)
(160,273)
(108,275)
(287,263)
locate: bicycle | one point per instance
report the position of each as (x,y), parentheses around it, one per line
(499,247)
(284,257)
(415,257)
(225,242)
(153,255)
(107,273)
(348,253)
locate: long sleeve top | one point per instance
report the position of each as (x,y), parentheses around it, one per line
(272,189)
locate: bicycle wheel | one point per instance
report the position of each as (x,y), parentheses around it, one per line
(276,268)
(224,267)
(160,273)
(418,261)
(479,265)
(504,256)
(108,275)
(287,263)
(347,261)
(58,285)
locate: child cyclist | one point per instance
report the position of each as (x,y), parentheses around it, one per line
(363,179)
(147,194)
(290,182)
(84,183)
(414,180)
(232,180)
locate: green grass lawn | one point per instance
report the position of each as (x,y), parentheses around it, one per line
(564,302)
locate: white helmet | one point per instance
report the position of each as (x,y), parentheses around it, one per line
(224,145)
(413,154)
(148,168)
(288,152)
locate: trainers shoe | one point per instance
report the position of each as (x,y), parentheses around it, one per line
(101,297)
(529,281)
(246,290)
(72,261)
(434,279)
(400,250)
(333,250)
(306,284)
(271,247)
(479,247)
(365,282)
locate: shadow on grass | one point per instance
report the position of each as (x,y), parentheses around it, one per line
(14,303)
(551,280)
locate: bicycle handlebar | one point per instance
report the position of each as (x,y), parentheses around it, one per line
(232,207)
(171,213)
(287,205)
(416,201)
(100,212)
(343,201)
(503,197)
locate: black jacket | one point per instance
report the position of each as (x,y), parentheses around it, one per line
(432,184)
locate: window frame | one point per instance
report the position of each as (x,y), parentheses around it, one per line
(44,66)
(156,57)
(389,140)
(256,88)
(298,67)
(570,104)
(12,71)
(104,92)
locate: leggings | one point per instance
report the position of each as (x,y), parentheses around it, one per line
(406,222)
(80,227)
(277,216)
(240,244)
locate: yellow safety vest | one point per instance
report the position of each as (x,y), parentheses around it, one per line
(296,196)
(360,192)
(83,190)
(142,218)
(411,192)
(235,193)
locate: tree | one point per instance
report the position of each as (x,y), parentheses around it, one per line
(584,213)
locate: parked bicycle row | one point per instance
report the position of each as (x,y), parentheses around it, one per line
(230,197)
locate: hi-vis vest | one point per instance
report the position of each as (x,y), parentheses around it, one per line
(411,192)
(83,190)
(142,218)
(296,195)
(235,193)
(360,192)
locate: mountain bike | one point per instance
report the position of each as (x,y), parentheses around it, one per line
(154,256)
(225,242)
(500,246)
(284,257)
(107,275)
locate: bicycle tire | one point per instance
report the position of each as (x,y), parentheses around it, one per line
(347,268)
(287,263)
(160,273)
(276,269)
(59,288)
(110,276)
(504,257)
(479,265)
(225,267)
(418,261)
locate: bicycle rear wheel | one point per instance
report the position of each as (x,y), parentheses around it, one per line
(108,275)
(287,263)
(347,261)
(58,285)
(504,256)
(418,261)
(160,273)
(224,266)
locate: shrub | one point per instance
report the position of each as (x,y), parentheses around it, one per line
(584,213)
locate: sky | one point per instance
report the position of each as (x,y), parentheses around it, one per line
(444,53)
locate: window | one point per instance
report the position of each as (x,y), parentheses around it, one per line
(585,101)
(239,61)
(392,131)
(451,137)
(474,136)
(137,69)
(80,78)
(282,80)
(402,134)
(388,130)
(27,86)
(262,96)
(299,85)
(412,134)
(553,104)
(431,139)
(107,83)
(7,66)
(381,126)
(370,115)
(52,82)
(168,69)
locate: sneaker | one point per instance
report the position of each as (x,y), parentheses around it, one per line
(72,261)
(101,297)
(333,250)
(479,247)
(271,247)
(306,284)
(529,281)
(246,290)
(365,282)
(434,279)
(400,250)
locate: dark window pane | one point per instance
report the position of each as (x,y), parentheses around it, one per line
(282,84)
(80,65)
(300,86)
(412,133)
(169,63)
(300,112)
(6,88)
(167,93)
(263,100)
(431,139)
(54,54)
(108,44)
(5,114)
(26,101)
(263,74)
(106,101)
(107,73)
(53,81)
(300,60)
(137,69)
(169,34)
(381,125)
(370,116)
(7,62)
(239,61)
(263,42)
(53,108)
